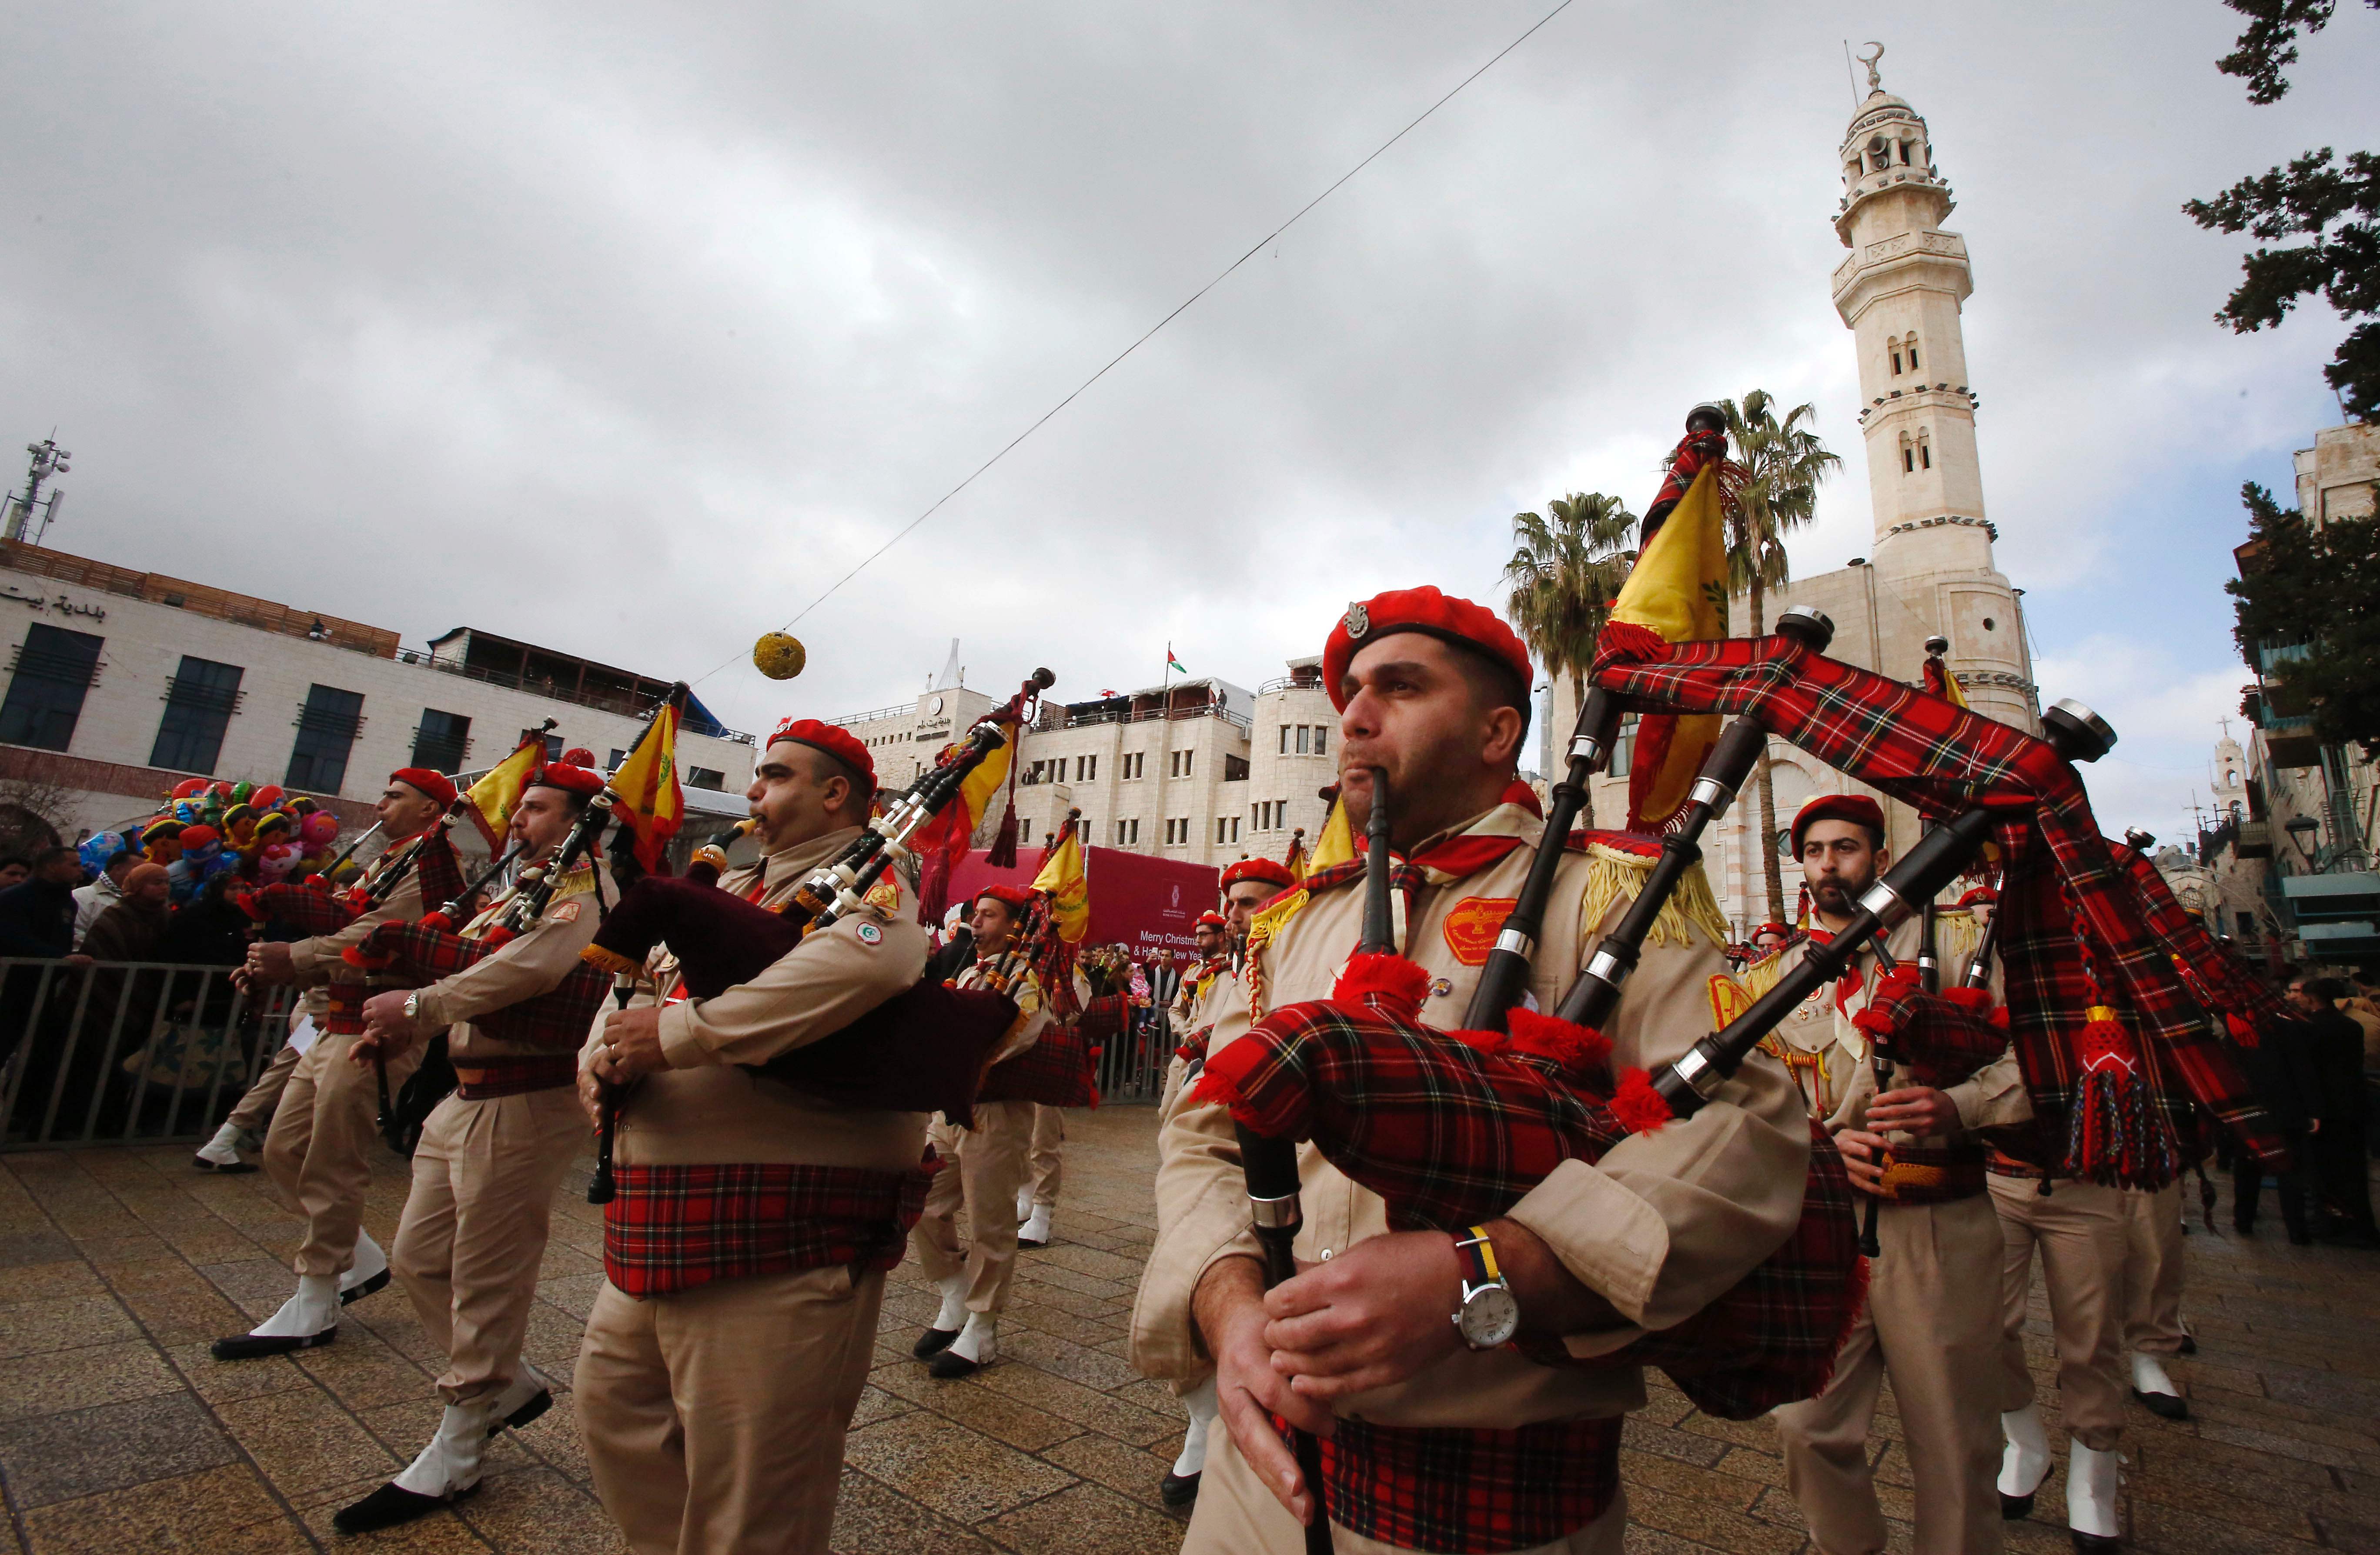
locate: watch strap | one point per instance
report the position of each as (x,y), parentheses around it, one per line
(1478,1256)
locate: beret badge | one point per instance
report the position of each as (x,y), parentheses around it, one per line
(1358,619)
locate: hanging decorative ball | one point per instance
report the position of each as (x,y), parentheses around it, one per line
(779,656)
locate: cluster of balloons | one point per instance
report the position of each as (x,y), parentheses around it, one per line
(206,829)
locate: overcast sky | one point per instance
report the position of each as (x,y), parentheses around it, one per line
(627,330)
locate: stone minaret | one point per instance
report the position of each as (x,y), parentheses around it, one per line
(1900,292)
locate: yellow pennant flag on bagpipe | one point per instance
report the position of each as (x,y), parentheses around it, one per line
(1336,845)
(490,800)
(1677,591)
(646,787)
(1068,887)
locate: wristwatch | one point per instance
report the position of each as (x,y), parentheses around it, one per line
(413,1005)
(1488,1315)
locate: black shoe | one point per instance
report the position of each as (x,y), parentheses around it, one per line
(392,1505)
(2189,1345)
(2095,1544)
(2164,1406)
(1028,1244)
(2015,1509)
(363,1288)
(932,1343)
(222,1169)
(526,1413)
(1178,1490)
(256,1346)
(950,1367)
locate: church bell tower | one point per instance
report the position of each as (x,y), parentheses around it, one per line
(1900,293)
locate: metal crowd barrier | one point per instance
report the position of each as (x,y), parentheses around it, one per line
(1132,1068)
(128,1052)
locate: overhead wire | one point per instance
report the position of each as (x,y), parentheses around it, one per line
(1224,275)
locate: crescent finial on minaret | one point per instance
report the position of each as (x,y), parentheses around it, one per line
(1875,81)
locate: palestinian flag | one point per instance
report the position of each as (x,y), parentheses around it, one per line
(1171,663)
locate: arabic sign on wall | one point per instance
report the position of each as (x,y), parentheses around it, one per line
(63,604)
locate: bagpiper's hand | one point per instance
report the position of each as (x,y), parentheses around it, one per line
(591,1097)
(269,961)
(632,1045)
(1920,1110)
(1375,1315)
(1230,1316)
(1862,1158)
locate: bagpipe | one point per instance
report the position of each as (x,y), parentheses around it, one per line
(923,1050)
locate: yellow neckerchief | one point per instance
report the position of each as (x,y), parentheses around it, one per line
(578,882)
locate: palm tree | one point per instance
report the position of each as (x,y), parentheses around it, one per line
(1784,464)
(1563,578)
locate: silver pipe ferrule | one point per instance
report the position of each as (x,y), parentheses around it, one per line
(1277,1214)
(1886,903)
(1520,944)
(1608,969)
(1586,748)
(1694,1067)
(1712,793)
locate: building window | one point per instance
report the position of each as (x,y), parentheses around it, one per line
(553,744)
(1128,833)
(1235,768)
(1086,768)
(705,777)
(200,699)
(1908,454)
(1322,739)
(1912,353)
(618,756)
(1623,747)
(327,728)
(54,668)
(441,741)
(1305,738)
(1925,456)
(1284,739)
(1227,829)
(1894,345)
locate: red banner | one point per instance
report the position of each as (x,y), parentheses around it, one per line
(1136,901)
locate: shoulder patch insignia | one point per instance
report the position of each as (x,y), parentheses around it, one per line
(565,913)
(869,934)
(1471,926)
(884,895)
(1729,999)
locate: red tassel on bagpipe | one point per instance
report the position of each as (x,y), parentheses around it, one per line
(1626,639)
(1384,981)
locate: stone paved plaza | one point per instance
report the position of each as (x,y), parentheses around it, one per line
(119,1433)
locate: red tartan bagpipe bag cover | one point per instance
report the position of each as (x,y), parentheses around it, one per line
(1453,1128)
(2104,1023)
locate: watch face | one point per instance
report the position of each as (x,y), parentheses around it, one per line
(1490,1317)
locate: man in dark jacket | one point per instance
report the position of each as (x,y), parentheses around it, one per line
(2281,1070)
(2335,1142)
(37,917)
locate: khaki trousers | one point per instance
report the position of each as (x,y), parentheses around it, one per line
(474,1229)
(1237,1516)
(319,1150)
(255,1111)
(989,1169)
(2152,1268)
(2079,1228)
(715,1419)
(1932,1323)
(1046,1167)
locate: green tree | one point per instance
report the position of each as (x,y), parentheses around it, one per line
(2319,586)
(1784,464)
(1568,568)
(2337,207)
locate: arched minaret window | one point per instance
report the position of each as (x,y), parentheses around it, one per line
(1893,344)
(1913,350)
(1904,153)
(1908,454)
(1925,448)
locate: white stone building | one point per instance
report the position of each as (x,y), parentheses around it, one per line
(122,683)
(1931,568)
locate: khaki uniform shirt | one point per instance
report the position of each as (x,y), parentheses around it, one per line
(704,1109)
(534,962)
(323,959)
(1665,1223)
(1828,1055)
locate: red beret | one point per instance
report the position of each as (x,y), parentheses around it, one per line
(1857,808)
(1213,920)
(1421,610)
(580,756)
(1016,897)
(1983,893)
(434,786)
(1265,869)
(569,779)
(835,742)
